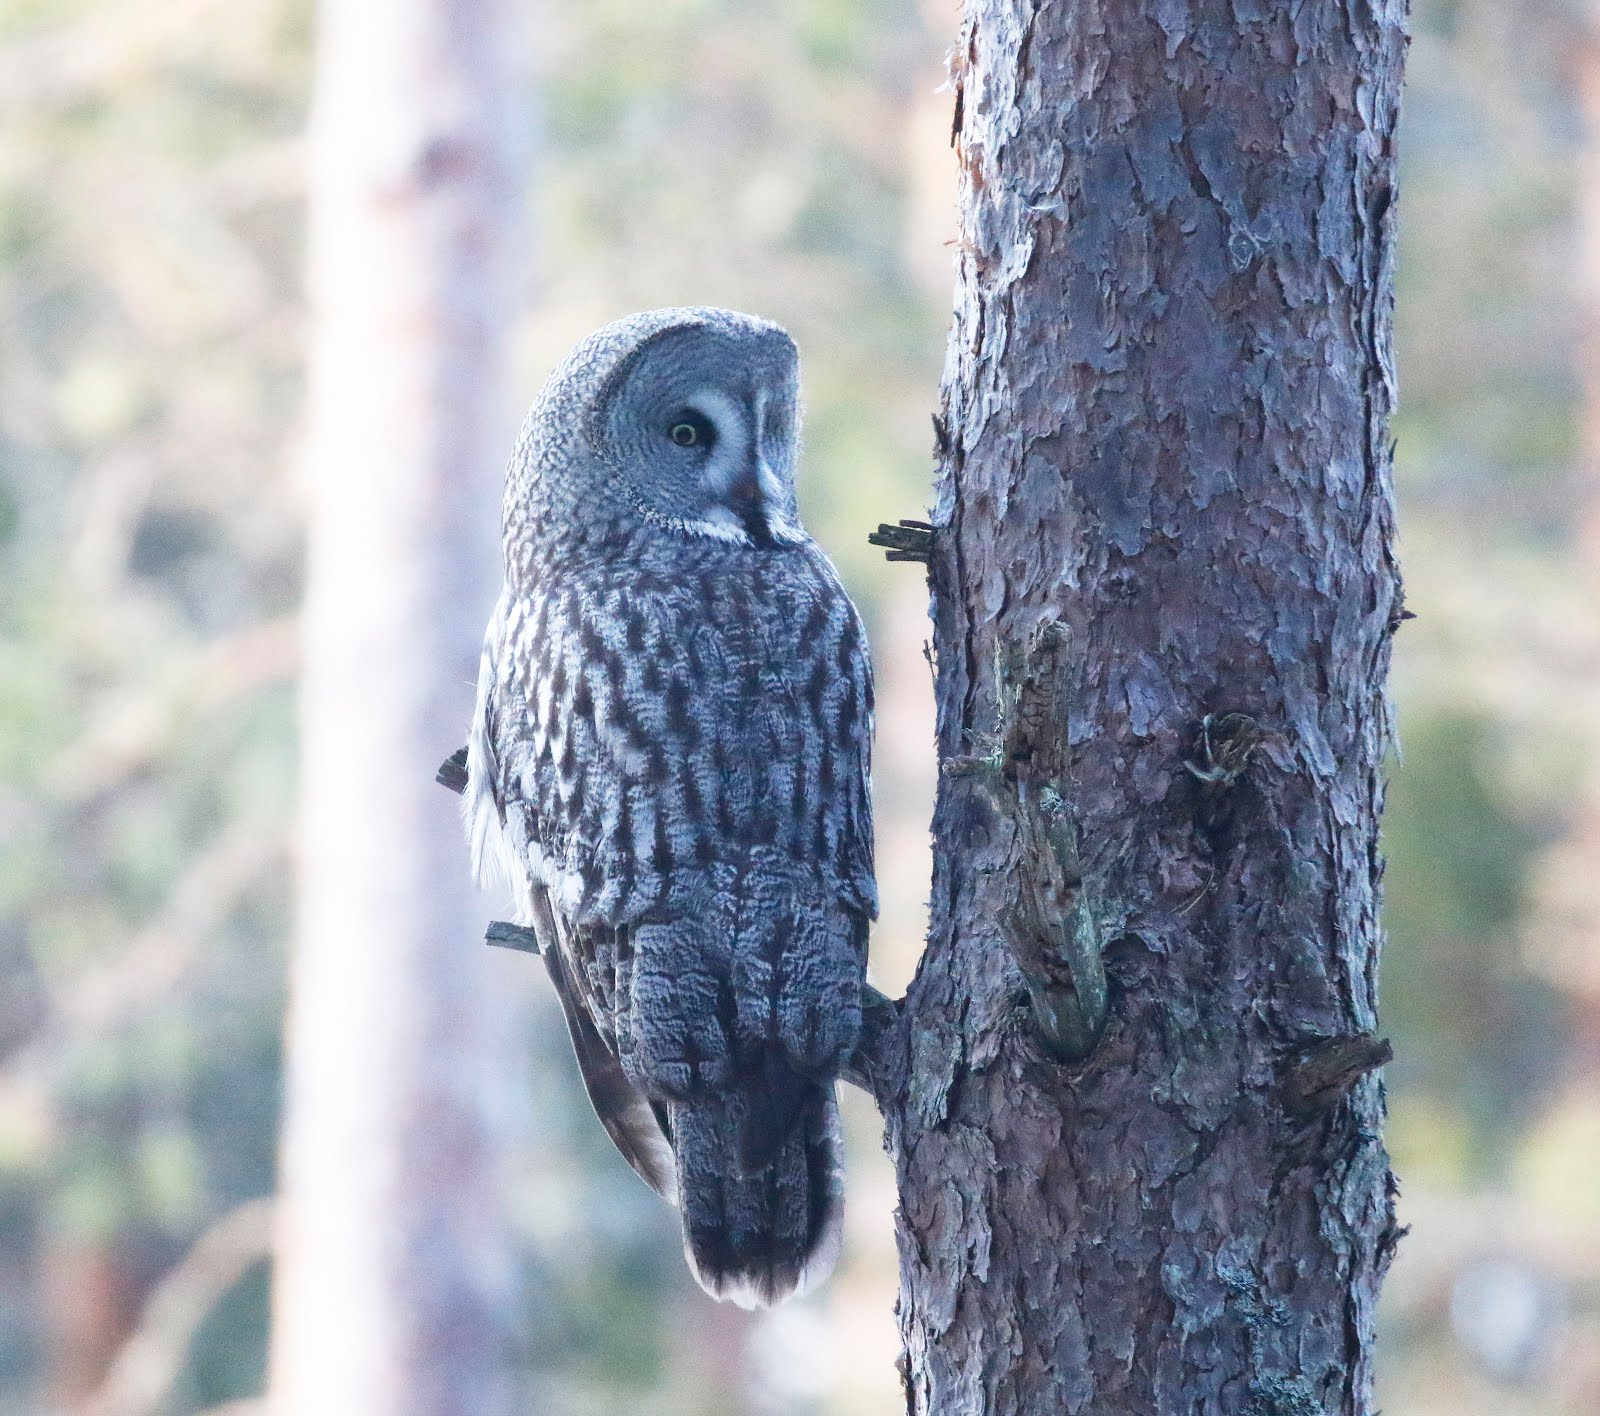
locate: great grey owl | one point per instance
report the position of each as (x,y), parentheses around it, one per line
(669,763)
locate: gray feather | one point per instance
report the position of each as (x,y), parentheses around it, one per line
(670,763)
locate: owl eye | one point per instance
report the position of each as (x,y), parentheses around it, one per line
(691,428)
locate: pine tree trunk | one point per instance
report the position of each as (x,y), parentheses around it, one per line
(389,1294)
(1163,598)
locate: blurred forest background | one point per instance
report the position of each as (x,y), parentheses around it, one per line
(793,160)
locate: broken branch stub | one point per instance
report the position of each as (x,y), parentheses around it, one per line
(907,541)
(513,936)
(1327,1071)
(452,773)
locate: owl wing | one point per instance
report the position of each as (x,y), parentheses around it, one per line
(503,749)
(637,1126)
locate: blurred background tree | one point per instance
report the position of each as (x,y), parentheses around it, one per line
(791,160)
(391,1266)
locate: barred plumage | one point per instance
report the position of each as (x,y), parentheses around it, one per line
(669,763)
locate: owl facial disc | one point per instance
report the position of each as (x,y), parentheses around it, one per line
(699,424)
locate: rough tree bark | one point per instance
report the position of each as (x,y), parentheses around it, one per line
(1163,595)
(392,1247)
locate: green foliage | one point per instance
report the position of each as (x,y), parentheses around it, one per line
(1476,1027)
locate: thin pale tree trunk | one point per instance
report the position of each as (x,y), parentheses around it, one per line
(1163,598)
(392,1247)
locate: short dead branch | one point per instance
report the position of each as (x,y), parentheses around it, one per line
(1324,1073)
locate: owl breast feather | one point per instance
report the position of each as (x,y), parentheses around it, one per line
(653,729)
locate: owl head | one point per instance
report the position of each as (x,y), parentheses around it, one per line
(682,420)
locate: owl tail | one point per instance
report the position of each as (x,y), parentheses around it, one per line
(757,1238)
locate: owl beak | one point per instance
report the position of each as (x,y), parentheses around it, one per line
(772,482)
(747,499)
